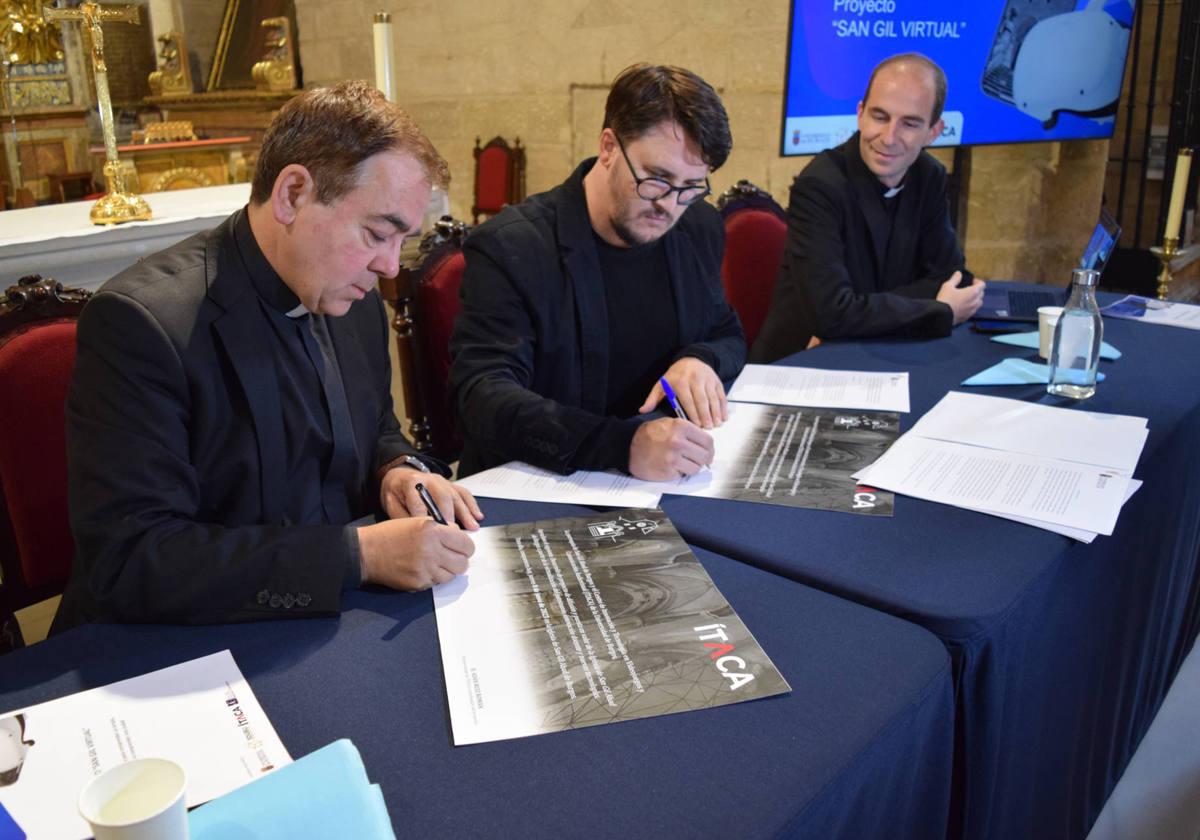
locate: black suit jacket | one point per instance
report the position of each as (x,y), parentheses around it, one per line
(530,348)
(176,451)
(842,276)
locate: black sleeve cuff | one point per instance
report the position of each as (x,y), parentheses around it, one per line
(352,578)
(607,446)
(701,352)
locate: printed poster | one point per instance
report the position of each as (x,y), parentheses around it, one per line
(797,457)
(566,623)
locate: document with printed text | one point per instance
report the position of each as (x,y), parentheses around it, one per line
(200,714)
(821,388)
(1065,493)
(1070,434)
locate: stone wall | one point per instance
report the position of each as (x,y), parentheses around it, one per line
(538,69)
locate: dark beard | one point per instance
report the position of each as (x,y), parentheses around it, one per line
(630,238)
(626,235)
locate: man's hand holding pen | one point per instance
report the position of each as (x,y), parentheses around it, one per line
(698,390)
(670,448)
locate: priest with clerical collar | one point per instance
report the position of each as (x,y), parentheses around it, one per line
(870,248)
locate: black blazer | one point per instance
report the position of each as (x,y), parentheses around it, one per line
(530,348)
(841,275)
(176,453)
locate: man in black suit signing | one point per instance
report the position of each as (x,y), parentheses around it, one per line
(230,423)
(870,249)
(576,301)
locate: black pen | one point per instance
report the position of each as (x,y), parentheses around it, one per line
(430,505)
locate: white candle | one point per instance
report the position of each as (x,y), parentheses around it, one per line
(1183,166)
(383,54)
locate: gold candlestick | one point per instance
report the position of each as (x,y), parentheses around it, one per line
(118,205)
(1166,253)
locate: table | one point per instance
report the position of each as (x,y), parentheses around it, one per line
(60,241)
(1062,651)
(860,748)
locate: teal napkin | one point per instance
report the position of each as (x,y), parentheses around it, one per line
(1030,340)
(1014,372)
(324,794)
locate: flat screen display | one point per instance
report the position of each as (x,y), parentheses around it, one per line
(1018,70)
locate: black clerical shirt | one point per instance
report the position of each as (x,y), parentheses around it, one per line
(323,488)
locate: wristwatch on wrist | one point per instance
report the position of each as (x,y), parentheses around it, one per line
(414,462)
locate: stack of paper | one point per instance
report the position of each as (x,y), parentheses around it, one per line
(324,794)
(1064,470)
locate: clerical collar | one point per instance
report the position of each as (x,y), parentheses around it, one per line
(893,192)
(263,277)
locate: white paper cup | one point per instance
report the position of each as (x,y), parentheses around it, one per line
(143,799)
(1047,318)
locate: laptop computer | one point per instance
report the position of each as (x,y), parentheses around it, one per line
(1022,304)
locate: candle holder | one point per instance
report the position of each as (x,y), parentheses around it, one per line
(1165,253)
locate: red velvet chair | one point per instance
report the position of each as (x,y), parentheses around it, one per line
(499,176)
(425,299)
(755,235)
(37,356)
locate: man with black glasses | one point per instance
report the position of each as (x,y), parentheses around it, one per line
(578,301)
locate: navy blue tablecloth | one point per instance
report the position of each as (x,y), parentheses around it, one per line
(1062,651)
(860,748)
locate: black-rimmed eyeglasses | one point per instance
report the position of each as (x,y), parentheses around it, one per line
(656,189)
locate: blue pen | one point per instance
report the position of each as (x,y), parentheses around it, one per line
(675,406)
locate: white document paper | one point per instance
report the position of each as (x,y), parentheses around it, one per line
(1089,437)
(1075,495)
(1074,533)
(1152,311)
(200,714)
(821,388)
(526,483)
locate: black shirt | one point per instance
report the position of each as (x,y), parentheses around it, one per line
(890,196)
(322,491)
(643,327)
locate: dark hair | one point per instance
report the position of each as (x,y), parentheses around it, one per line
(331,131)
(939,79)
(645,95)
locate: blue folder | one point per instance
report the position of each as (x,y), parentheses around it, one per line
(324,794)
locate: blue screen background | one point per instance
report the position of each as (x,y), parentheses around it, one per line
(827,74)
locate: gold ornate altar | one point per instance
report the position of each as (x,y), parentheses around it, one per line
(46,83)
(44,100)
(181,164)
(255,70)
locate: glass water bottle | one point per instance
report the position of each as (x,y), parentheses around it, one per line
(1075,351)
